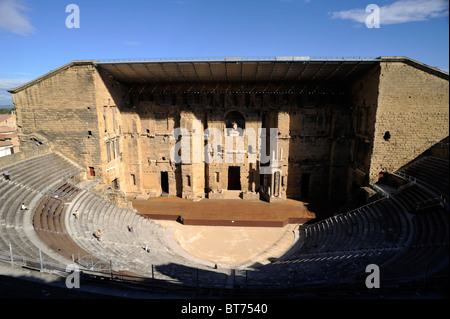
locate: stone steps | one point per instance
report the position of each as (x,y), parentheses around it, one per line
(28,179)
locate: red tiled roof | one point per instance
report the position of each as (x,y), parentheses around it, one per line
(6,143)
(6,129)
(4,117)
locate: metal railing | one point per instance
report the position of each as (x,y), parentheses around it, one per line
(261,281)
(243,58)
(40,265)
(404,176)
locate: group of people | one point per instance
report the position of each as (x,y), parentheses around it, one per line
(98,233)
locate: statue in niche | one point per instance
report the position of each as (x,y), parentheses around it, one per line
(234,130)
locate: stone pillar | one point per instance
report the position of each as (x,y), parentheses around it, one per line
(279,185)
(272,183)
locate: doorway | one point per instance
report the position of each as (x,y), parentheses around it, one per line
(305,185)
(165,182)
(234,178)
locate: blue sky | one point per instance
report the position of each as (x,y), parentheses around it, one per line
(34,38)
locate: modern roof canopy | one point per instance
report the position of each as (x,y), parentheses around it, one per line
(234,71)
(237,69)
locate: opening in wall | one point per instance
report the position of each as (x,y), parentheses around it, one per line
(234,178)
(188,178)
(165,182)
(115,183)
(305,184)
(387,136)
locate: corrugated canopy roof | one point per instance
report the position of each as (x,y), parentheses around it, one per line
(154,72)
(268,73)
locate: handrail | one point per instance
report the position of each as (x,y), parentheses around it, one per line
(405,176)
(145,281)
(364,206)
(241,58)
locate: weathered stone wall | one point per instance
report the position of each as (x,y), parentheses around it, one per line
(329,142)
(62,108)
(153,125)
(318,150)
(312,141)
(364,101)
(110,96)
(413,106)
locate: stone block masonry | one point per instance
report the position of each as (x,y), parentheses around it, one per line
(412,115)
(336,130)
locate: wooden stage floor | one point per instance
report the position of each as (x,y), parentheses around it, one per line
(227,212)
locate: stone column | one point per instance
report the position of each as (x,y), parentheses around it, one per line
(272,184)
(279,184)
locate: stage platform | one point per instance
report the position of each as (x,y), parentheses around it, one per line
(225,212)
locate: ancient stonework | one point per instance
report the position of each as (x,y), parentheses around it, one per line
(339,123)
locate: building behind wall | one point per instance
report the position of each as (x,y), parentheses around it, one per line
(340,122)
(9,141)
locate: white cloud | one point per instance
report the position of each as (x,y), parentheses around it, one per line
(400,12)
(7,84)
(13,19)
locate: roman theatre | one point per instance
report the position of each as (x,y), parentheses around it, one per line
(254,143)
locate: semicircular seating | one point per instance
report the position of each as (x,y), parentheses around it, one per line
(401,234)
(29,180)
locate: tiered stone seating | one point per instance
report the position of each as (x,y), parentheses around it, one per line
(431,171)
(340,247)
(414,198)
(49,221)
(427,248)
(65,190)
(12,218)
(427,252)
(125,249)
(398,233)
(29,178)
(370,227)
(41,172)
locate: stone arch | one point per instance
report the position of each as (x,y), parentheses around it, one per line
(234,117)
